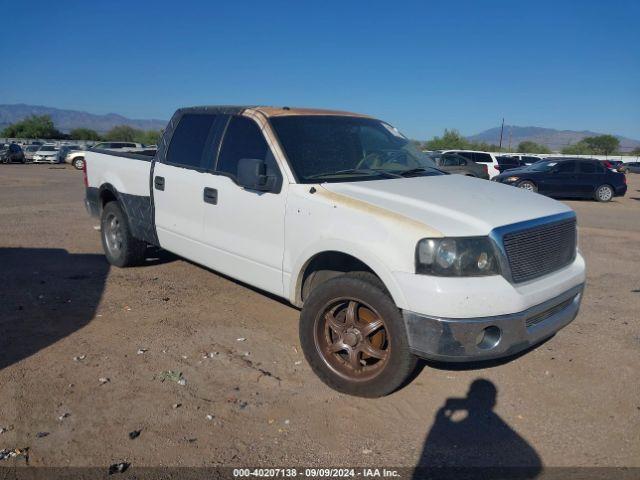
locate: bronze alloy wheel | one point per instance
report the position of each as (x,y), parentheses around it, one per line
(352,339)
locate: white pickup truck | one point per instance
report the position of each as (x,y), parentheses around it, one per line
(388,258)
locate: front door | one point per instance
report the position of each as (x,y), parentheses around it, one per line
(244,229)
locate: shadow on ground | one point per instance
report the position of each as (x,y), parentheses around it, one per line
(468,439)
(47,294)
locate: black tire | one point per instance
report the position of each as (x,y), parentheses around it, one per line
(604,193)
(120,247)
(78,163)
(528,185)
(366,289)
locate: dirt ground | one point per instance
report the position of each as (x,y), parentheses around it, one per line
(68,320)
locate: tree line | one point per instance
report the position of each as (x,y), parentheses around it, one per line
(596,145)
(42,127)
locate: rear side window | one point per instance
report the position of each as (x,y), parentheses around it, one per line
(566,167)
(482,158)
(467,155)
(243,139)
(587,167)
(190,139)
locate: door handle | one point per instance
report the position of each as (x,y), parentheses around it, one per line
(159,183)
(210,195)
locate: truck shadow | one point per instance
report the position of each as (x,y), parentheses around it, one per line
(468,439)
(47,294)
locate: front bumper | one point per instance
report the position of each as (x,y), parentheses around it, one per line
(483,338)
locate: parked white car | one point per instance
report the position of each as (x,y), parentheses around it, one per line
(389,258)
(485,158)
(47,153)
(30,151)
(77,158)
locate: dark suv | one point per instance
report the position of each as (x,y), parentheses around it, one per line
(568,177)
(12,154)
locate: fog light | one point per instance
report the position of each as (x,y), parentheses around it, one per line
(488,338)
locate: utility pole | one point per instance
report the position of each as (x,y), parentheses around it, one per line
(509,139)
(501,130)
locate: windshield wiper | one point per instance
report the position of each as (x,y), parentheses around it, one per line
(412,171)
(357,171)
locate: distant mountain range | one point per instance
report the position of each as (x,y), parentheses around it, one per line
(66,120)
(556,140)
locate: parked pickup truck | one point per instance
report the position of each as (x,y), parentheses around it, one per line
(388,258)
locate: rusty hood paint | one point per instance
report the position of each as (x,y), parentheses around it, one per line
(449,205)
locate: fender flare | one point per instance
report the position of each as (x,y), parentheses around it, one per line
(374,263)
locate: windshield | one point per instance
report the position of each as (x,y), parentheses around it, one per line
(48,148)
(340,148)
(542,166)
(33,148)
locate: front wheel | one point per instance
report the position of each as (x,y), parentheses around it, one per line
(120,247)
(354,337)
(604,193)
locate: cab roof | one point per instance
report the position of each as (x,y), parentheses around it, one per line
(267,110)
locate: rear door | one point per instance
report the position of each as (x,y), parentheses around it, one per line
(561,181)
(590,175)
(244,229)
(178,184)
(487,159)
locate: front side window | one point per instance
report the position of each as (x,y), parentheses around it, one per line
(188,146)
(242,139)
(452,161)
(341,148)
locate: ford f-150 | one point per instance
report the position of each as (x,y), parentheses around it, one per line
(389,258)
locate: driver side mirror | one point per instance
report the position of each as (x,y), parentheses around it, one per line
(252,174)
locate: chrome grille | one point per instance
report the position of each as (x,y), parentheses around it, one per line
(537,251)
(541,317)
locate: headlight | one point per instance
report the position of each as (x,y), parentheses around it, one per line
(456,257)
(511,179)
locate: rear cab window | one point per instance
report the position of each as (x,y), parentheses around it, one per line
(189,142)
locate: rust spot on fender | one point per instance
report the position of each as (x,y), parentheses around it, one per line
(337,199)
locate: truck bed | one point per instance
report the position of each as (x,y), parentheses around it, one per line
(114,173)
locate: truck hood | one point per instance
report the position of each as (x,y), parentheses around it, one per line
(455,205)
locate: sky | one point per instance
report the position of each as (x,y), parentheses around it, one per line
(422,66)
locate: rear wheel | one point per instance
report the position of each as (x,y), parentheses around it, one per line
(604,193)
(354,338)
(78,163)
(528,185)
(120,247)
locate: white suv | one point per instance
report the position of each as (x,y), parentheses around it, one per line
(485,158)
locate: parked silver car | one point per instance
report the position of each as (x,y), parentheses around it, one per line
(454,163)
